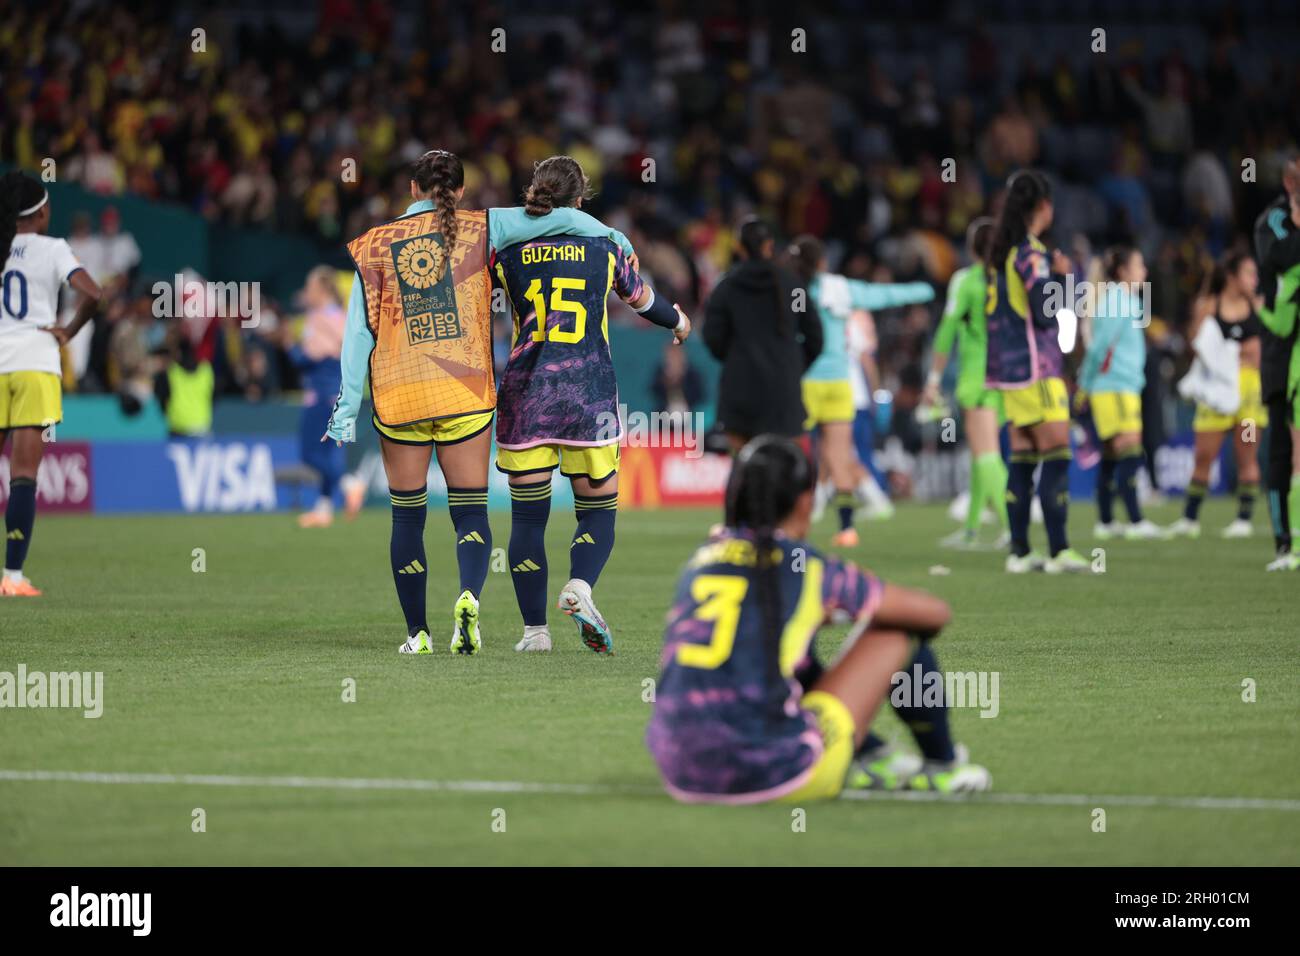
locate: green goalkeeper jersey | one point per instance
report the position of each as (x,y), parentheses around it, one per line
(963,320)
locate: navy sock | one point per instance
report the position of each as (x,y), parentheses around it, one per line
(469,517)
(845,504)
(1054,493)
(928,724)
(1246,492)
(593,540)
(1020,493)
(1195,495)
(1126,477)
(20,516)
(1106,490)
(530,507)
(406,551)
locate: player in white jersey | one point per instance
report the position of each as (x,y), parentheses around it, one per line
(36,267)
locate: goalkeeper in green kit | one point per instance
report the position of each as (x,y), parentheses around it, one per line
(981,407)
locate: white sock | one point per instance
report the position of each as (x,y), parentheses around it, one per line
(15,576)
(531,629)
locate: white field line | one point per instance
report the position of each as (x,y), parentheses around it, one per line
(603,790)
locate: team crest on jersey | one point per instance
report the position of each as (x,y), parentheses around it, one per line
(428,293)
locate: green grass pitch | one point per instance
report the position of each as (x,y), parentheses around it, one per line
(1127,684)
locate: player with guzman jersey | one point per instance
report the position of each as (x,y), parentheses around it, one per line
(981,407)
(36,267)
(419,326)
(558,403)
(743,712)
(827,389)
(1025,363)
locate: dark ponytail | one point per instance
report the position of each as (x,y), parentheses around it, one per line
(979,235)
(807,253)
(18,191)
(439,174)
(767,478)
(557,182)
(1025,190)
(1114,259)
(754,236)
(1225,267)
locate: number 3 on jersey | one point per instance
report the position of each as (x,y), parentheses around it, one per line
(719,597)
(559,303)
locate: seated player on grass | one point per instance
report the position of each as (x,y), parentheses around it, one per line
(743,711)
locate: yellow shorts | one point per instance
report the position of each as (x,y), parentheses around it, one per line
(597,462)
(836,726)
(440,431)
(1044,401)
(1115,413)
(827,402)
(1252,407)
(30,400)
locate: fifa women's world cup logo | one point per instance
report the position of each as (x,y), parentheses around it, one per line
(420,263)
(428,293)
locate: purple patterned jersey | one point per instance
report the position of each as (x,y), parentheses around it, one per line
(558,386)
(727,724)
(1024,346)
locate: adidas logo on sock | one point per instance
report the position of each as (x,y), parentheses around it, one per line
(583,539)
(413,568)
(473,536)
(527,565)
(15,535)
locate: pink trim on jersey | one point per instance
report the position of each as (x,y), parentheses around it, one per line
(811,737)
(561,441)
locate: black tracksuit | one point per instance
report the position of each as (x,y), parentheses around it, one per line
(764,346)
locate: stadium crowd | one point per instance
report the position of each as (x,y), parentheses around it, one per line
(885,139)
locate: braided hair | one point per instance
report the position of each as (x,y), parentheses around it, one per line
(767,478)
(439,174)
(18,191)
(557,182)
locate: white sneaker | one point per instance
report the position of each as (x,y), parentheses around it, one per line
(417,643)
(575,601)
(1284,562)
(1184,528)
(956,776)
(1240,528)
(1144,530)
(1104,532)
(1068,561)
(1033,561)
(536,638)
(961,540)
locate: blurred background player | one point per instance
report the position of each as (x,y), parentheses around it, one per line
(1277,248)
(827,392)
(763,344)
(36,267)
(1026,364)
(1231,301)
(1112,377)
(981,407)
(743,712)
(316,354)
(558,405)
(864,373)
